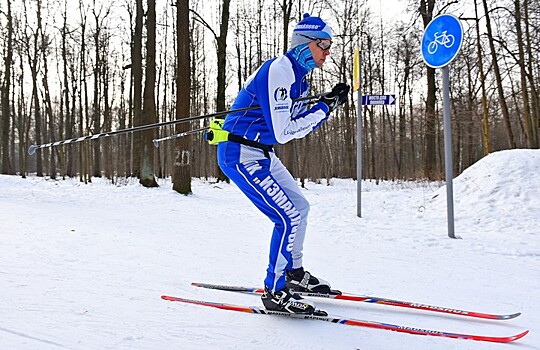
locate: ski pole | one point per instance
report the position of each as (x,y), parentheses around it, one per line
(182,134)
(33,148)
(195,131)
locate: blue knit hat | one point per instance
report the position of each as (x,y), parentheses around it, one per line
(310,26)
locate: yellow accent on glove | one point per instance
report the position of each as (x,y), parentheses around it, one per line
(216,134)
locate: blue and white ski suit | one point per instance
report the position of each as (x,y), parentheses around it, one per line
(263,178)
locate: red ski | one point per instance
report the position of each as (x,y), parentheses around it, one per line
(350,321)
(369,299)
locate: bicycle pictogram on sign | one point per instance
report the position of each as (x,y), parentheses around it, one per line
(447,40)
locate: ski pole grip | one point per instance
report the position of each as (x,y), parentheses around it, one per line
(209,135)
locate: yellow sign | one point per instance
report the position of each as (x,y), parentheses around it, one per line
(356,70)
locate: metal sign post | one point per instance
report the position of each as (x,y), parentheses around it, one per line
(440,44)
(367,100)
(357,86)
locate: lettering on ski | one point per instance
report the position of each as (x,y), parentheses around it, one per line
(439,308)
(350,321)
(370,299)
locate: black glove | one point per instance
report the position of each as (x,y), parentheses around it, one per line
(336,97)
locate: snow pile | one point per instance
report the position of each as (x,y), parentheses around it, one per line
(499,192)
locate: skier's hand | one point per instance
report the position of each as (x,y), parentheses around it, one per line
(336,97)
(216,134)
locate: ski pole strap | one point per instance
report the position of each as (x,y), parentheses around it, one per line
(216,135)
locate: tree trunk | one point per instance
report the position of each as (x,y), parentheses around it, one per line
(6,105)
(182,160)
(486,136)
(48,104)
(96,108)
(222,64)
(136,70)
(527,120)
(67,115)
(430,133)
(83,107)
(147,178)
(23,120)
(222,55)
(33,59)
(535,119)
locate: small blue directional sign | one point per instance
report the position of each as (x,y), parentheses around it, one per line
(442,40)
(370,100)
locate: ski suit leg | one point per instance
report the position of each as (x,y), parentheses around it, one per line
(272,189)
(289,185)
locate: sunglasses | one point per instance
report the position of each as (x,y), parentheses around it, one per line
(323,44)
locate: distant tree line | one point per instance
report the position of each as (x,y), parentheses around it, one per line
(72,69)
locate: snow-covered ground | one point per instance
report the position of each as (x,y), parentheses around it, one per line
(84,266)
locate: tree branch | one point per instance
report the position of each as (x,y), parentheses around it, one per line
(203,22)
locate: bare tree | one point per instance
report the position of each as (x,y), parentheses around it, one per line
(530,134)
(23,117)
(486,135)
(496,70)
(84,154)
(68,113)
(5,95)
(530,52)
(137,76)
(222,54)
(45,45)
(430,149)
(221,44)
(182,160)
(146,177)
(32,44)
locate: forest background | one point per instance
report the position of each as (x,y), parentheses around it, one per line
(72,69)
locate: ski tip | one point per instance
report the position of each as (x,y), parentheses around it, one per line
(509,317)
(32,149)
(156,143)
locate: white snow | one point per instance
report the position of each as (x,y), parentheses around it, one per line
(84,266)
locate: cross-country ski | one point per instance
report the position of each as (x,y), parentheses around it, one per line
(369,299)
(351,321)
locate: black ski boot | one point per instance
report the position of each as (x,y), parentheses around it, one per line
(302,281)
(287,301)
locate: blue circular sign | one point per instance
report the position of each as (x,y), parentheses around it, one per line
(441,40)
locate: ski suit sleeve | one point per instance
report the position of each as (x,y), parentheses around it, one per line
(274,96)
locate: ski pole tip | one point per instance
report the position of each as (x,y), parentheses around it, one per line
(32,149)
(156,143)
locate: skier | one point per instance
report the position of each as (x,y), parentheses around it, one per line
(247,157)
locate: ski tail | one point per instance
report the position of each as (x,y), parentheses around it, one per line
(229,288)
(245,309)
